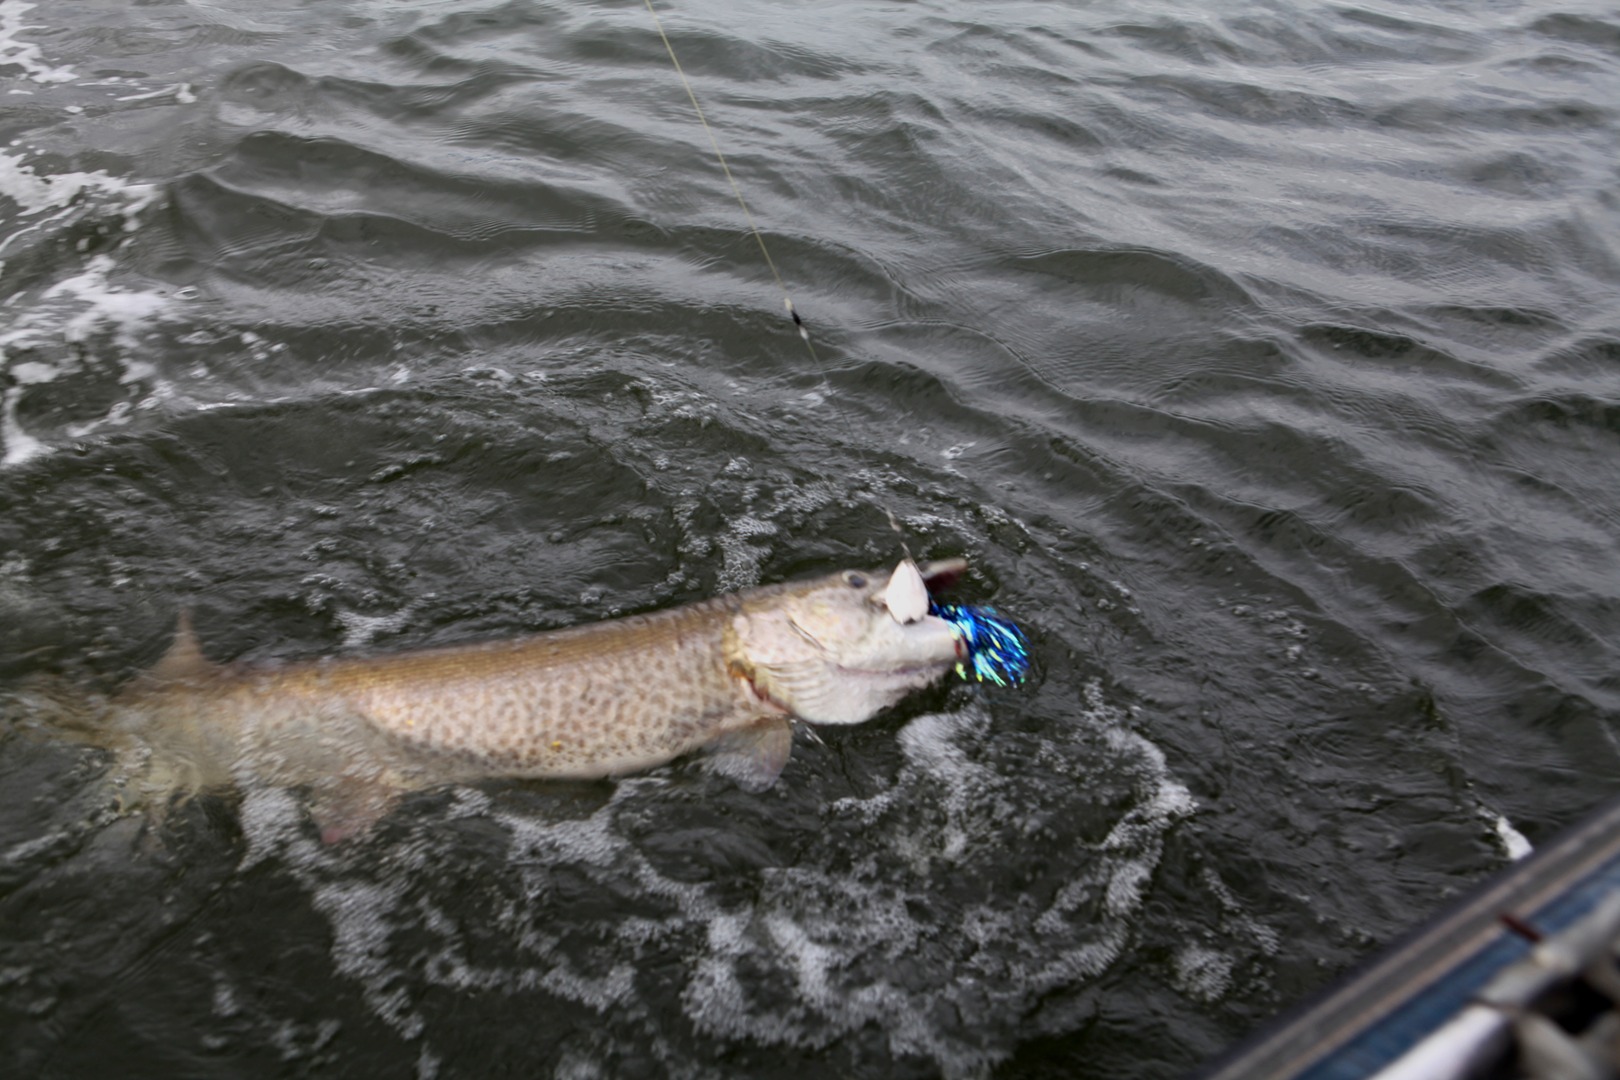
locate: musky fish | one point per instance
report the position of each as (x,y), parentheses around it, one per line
(727,675)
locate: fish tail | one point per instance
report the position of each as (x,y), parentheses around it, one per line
(48,704)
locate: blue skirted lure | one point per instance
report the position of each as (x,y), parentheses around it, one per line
(998,652)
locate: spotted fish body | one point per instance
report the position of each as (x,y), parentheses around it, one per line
(727,674)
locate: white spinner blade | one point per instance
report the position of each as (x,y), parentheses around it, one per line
(906,596)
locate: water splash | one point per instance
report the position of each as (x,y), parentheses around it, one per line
(25,54)
(837,954)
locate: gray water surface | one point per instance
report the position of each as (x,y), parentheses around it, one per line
(1264,359)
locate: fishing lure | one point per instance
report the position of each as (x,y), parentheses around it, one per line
(998,651)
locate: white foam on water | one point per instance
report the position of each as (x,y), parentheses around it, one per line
(366,915)
(743,546)
(830,938)
(24,54)
(1203,973)
(837,935)
(35,193)
(181,91)
(363,913)
(741,560)
(271,822)
(70,321)
(968,790)
(104,307)
(876,948)
(1514,843)
(361,630)
(1245,926)
(77,312)
(17,444)
(363,916)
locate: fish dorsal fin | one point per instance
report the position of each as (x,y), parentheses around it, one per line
(755,755)
(184,660)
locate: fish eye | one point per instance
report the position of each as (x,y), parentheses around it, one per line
(855,580)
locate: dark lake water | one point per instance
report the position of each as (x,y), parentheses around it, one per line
(1263,357)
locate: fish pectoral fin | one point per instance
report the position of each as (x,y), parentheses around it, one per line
(347,805)
(753,756)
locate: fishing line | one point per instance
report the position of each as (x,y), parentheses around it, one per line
(996,650)
(736,188)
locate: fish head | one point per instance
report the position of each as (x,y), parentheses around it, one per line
(840,649)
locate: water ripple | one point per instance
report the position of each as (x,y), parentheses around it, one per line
(1262,358)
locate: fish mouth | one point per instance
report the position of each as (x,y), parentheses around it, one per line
(942,573)
(906,673)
